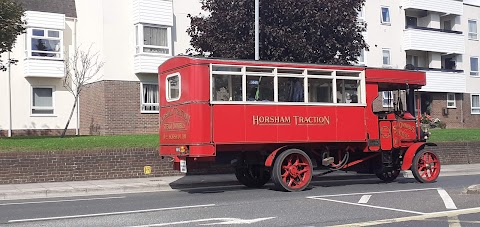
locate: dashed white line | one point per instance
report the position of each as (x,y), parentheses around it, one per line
(365,205)
(450,213)
(112,213)
(449,204)
(364,199)
(368,193)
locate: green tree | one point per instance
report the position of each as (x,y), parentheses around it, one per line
(314,31)
(11,25)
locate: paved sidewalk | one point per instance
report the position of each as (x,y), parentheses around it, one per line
(170,183)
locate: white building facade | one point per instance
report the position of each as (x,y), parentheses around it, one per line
(435,36)
(133,37)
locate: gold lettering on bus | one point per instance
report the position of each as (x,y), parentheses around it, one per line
(409,127)
(175,136)
(174,126)
(287,120)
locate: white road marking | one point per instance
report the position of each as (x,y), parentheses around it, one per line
(221,221)
(364,199)
(367,193)
(449,204)
(365,205)
(450,213)
(454,222)
(61,201)
(112,213)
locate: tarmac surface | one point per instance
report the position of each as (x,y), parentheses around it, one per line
(173,183)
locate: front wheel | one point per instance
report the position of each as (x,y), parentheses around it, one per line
(292,170)
(426,166)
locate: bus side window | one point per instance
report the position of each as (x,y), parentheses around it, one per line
(227,88)
(320,90)
(173,87)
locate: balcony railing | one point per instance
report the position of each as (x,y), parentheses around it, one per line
(442,6)
(432,29)
(441,80)
(434,40)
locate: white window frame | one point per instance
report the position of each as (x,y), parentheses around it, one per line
(471,103)
(471,33)
(474,73)
(30,36)
(42,108)
(142,102)
(364,62)
(167,87)
(384,97)
(361,14)
(389,57)
(140,42)
(451,103)
(332,75)
(383,20)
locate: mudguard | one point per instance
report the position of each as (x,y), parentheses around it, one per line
(410,153)
(271,157)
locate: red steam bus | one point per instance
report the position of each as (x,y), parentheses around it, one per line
(279,121)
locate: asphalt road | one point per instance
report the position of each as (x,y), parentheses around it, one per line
(327,203)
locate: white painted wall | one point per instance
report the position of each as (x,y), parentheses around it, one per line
(473,46)
(181,8)
(381,36)
(22,91)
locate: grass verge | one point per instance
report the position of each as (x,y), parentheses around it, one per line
(77,143)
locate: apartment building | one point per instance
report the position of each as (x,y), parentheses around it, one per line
(438,37)
(33,100)
(133,37)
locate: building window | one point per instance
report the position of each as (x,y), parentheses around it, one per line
(361,58)
(411,21)
(386,56)
(385,15)
(173,87)
(472,29)
(153,39)
(475,103)
(44,43)
(149,98)
(474,66)
(42,100)
(387,99)
(451,100)
(361,15)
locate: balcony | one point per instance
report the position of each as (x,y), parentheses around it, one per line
(144,63)
(442,6)
(44,68)
(433,40)
(438,80)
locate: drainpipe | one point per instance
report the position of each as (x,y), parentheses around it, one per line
(9,97)
(77,130)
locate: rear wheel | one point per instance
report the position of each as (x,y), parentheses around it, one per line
(252,176)
(388,174)
(292,170)
(426,166)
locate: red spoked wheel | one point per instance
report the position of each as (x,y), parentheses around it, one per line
(426,166)
(292,170)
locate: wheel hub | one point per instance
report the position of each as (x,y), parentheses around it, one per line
(293,171)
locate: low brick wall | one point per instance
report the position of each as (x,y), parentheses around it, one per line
(458,152)
(31,167)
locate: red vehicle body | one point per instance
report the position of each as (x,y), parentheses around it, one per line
(279,121)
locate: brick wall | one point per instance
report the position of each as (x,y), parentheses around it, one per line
(455,116)
(113,108)
(470,120)
(29,167)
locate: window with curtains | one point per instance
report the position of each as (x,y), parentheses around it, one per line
(153,39)
(42,101)
(149,98)
(475,98)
